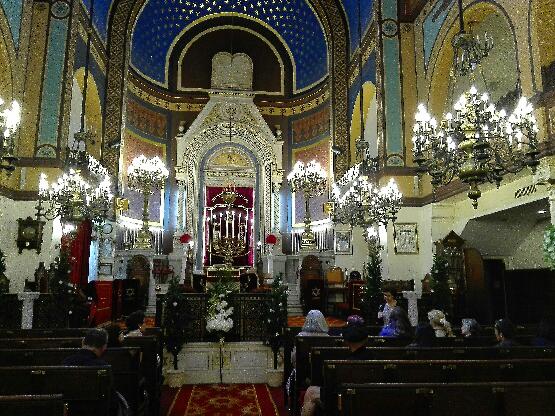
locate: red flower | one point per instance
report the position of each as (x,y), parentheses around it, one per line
(271,239)
(185,238)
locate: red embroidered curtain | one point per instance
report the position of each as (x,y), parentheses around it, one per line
(247,200)
(79,250)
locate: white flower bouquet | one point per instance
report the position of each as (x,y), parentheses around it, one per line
(219,319)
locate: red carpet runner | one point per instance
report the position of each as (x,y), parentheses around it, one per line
(222,400)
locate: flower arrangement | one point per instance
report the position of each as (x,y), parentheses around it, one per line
(185,238)
(549,247)
(219,312)
(276,316)
(271,239)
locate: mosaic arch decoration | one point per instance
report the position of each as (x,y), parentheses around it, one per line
(161,22)
(101,16)
(351,11)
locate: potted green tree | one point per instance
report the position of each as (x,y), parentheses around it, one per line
(175,320)
(439,284)
(4,282)
(372,293)
(276,322)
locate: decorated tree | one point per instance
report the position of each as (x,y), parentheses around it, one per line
(276,316)
(4,282)
(67,304)
(175,320)
(439,284)
(372,294)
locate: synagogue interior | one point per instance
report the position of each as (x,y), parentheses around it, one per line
(277,207)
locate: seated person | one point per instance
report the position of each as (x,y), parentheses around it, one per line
(355,336)
(389,297)
(470,328)
(504,332)
(134,324)
(546,334)
(424,336)
(94,345)
(314,325)
(440,324)
(399,325)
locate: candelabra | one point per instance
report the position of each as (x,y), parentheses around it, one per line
(477,143)
(468,50)
(9,121)
(143,175)
(311,180)
(359,202)
(229,223)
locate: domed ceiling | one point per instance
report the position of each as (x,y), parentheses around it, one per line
(161,22)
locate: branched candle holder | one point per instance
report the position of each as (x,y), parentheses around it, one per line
(144,175)
(311,180)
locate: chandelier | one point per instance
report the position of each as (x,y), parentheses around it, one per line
(477,142)
(10,118)
(360,203)
(144,175)
(73,199)
(468,50)
(311,180)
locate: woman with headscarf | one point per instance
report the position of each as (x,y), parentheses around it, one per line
(441,326)
(314,325)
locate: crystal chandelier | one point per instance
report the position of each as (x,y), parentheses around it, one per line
(73,199)
(10,118)
(360,203)
(477,142)
(144,175)
(311,180)
(468,50)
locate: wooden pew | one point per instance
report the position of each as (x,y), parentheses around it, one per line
(125,363)
(337,373)
(150,363)
(457,399)
(87,390)
(151,367)
(33,405)
(25,343)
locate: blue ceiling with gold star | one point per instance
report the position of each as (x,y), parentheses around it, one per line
(160,22)
(351,10)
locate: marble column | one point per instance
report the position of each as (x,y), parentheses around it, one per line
(28,299)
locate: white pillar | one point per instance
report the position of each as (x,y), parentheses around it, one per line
(28,299)
(412,298)
(552,204)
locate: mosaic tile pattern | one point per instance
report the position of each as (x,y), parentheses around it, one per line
(351,9)
(12,10)
(101,16)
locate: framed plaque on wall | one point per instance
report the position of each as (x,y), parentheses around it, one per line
(343,242)
(405,238)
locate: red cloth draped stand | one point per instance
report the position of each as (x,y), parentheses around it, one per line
(248,202)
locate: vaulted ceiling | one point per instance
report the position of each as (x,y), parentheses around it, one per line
(161,23)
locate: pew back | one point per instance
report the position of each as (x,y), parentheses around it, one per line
(94,400)
(337,373)
(457,399)
(33,405)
